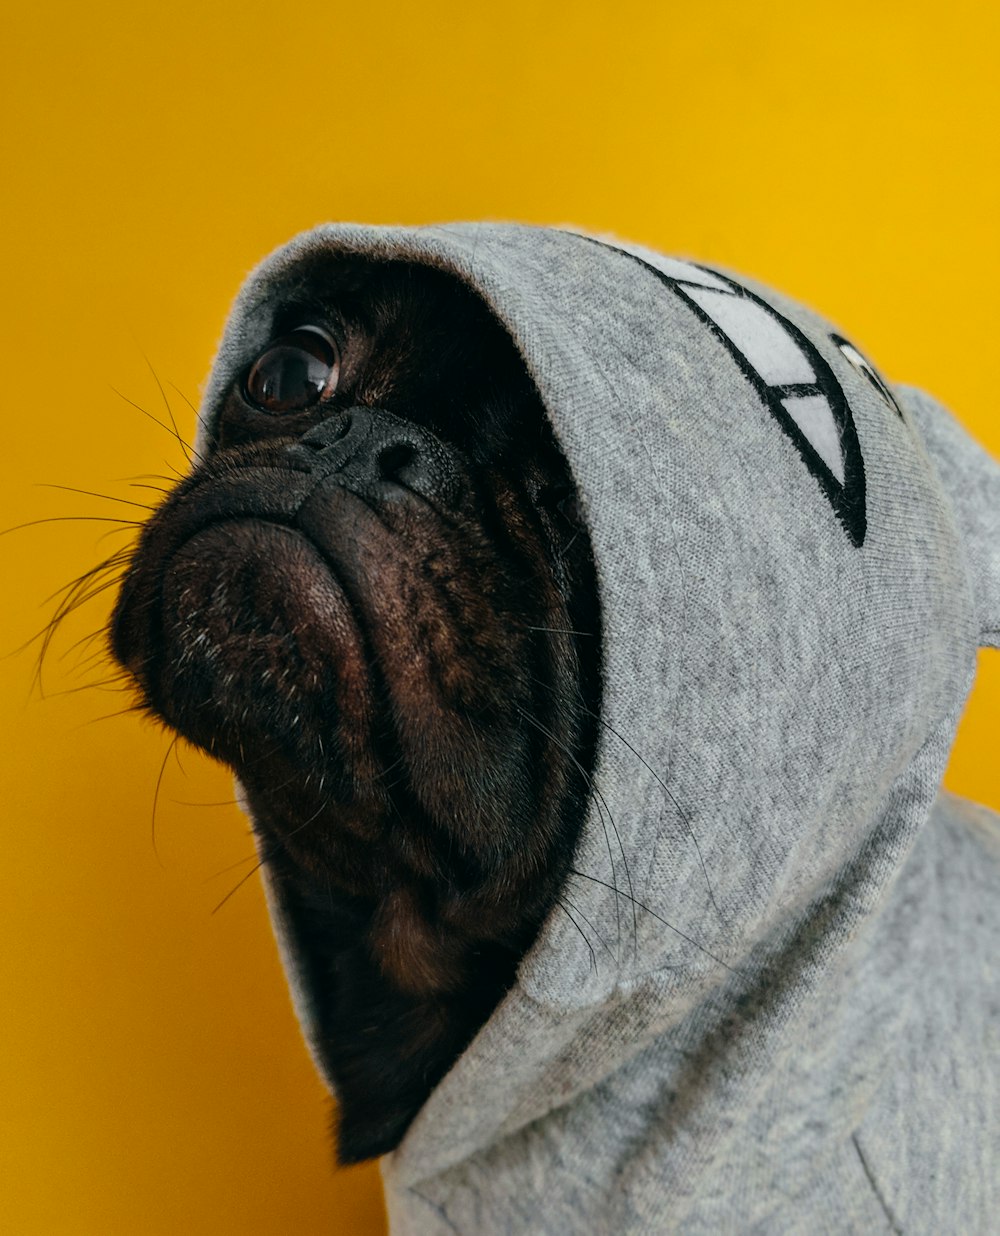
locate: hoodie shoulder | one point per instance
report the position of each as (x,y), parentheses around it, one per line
(970,477)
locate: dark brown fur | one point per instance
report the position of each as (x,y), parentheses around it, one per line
(404,674)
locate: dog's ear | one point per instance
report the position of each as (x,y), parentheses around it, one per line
(971,479)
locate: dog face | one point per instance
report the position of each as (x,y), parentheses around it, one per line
(374,598)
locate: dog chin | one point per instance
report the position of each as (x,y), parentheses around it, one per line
(257,631)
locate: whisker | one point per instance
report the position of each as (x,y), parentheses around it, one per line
(57,617)
(70,604)
(141,476)
(583,935)
(685,818)
(677,807)
(192,406)
(600,938)
(600,797)
(91,493)
(96,661)
(224,802)
(82,641)
(115,532)
(253,870)
(59,519)
(108,716)
(156,795)
(569,545)
(172,430)
(271,853)
(118,558)
(166,403)
(230,867)
(75,594)
(156,421)
(98,656)
(109,684)
(701,948)
(559,630)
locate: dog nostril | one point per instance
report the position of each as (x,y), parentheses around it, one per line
(393,459)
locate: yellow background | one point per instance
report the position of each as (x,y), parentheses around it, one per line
(153,1080)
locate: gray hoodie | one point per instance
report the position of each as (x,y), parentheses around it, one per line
(782,1013)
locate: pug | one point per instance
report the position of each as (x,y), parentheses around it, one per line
(587,629)
(374,599)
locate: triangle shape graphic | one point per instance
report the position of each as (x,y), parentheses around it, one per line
(786,369)
(814,418)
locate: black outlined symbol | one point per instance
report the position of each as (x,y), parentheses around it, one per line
(788,373)
(864,366)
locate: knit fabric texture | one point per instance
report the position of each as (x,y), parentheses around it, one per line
(777,1009)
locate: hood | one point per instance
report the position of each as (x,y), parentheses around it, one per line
(797,564)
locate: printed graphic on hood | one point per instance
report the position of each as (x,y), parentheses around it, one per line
(787,371)
(864,366)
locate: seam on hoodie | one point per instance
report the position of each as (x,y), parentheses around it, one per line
(438,1209)
(869,1175)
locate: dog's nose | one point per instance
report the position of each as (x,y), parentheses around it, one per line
(365,446)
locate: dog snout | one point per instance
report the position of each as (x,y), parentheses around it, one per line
(369,447)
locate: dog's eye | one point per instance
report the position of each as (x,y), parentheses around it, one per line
(294,372)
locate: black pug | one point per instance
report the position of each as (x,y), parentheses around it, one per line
(375,599)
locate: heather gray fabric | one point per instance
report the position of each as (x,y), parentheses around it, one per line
(793,1027)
